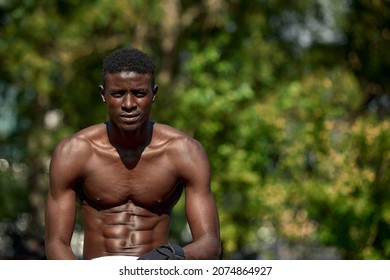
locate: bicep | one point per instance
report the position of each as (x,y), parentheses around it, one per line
(201,210)
(59,225)
(61,199)
(202,214)
(60,216)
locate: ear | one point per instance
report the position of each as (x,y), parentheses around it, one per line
(155,90)
(101,90)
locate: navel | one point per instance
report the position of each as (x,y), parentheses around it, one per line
(130,242)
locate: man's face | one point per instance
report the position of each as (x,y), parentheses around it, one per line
(129,97)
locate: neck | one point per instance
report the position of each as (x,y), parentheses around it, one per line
(131,139)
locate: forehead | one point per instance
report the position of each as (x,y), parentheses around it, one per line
(128,78)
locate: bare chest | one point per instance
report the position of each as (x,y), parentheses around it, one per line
(148,181)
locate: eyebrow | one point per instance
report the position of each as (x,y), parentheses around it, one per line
(142,90)
(117,90)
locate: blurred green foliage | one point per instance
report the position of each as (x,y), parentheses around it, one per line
(290,100)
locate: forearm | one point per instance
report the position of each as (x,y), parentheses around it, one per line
(59,251)
(205,248)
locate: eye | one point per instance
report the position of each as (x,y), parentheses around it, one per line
(117,93)
(139,93)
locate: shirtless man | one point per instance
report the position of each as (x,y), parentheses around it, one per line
(128,174)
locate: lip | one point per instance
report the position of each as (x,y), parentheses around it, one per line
(129,118)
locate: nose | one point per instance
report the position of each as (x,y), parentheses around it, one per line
(128,102)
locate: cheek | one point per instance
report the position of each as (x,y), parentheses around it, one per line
(145,104)
(147,108)
(113,108)
(112,104)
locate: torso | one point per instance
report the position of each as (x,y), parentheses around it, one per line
(126,198)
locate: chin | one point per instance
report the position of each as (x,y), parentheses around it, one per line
(129,127)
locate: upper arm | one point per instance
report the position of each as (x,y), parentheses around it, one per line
(201,210)
(65,171)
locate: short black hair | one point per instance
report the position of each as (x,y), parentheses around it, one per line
(128,59)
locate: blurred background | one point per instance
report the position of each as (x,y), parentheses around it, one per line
(290,99)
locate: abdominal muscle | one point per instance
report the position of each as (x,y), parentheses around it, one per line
(125,230)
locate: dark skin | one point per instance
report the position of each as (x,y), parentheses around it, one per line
(132,172)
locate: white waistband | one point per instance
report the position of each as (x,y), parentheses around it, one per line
(116,258)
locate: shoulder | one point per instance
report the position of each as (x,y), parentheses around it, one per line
(69,158)
(188,156)
(176,140)
(78,145)
(186,153)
